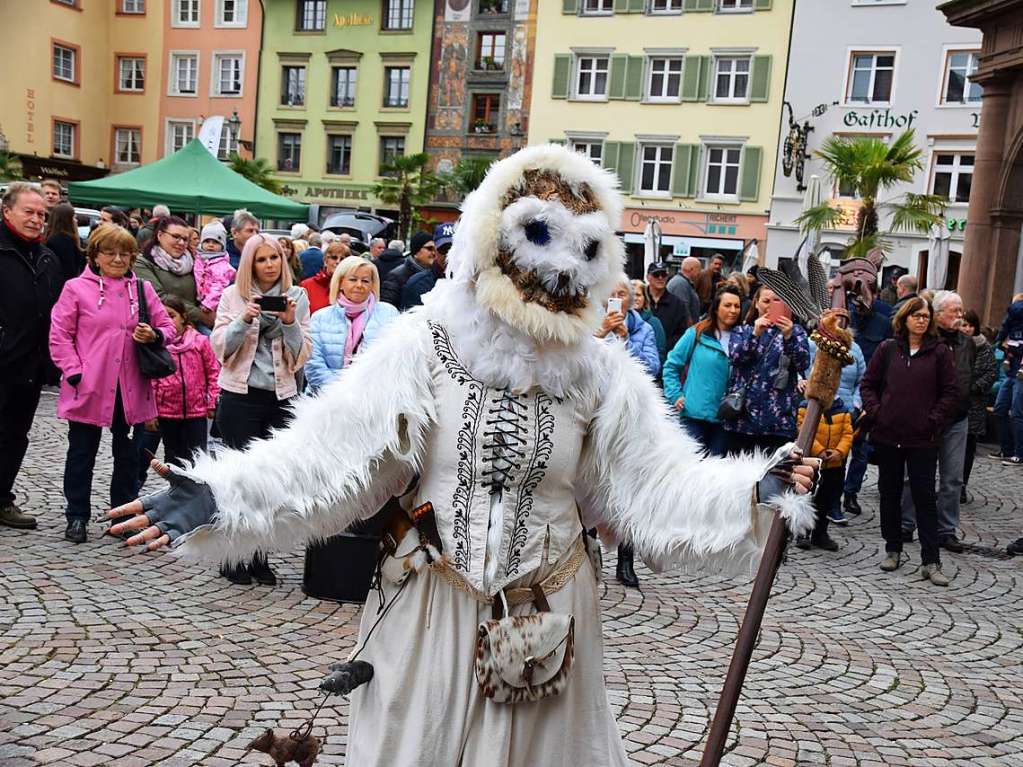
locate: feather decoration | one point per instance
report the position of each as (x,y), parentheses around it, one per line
(798,298)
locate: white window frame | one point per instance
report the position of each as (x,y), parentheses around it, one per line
(228,142)
(602,8)
(73,58)
(577,74)
(671,8)
(953,170)
(410,15)
(733,75)
(724,146)
(850,74)
(168,133)
(380,149)
(735,6)
(352,85)
(277,148)
(946,70)
(326,20)
(867,3)
(661,98)
(351,153)
(407,89)
(179,5)
(71,134)
(121,60)
(219,56)
(592,149)
(133,6)
(132,133)
(241,15)
(661,166)
(304,88)
(172,79)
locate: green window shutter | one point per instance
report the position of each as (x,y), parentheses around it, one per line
(557,141)
(698,5)
(637,6)
(760,80)
(610,158)
(570,6)
(761,5)
(634,79)
(691,78)
(749,173)
(621,6)
(562,73)
(706,74)
(626,156)
(616,86)
(680,171)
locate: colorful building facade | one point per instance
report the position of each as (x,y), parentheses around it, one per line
(681,98)
(343,90)
(91,106)
(211,69)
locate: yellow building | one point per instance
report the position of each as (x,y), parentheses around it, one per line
(681,98)
(81,84)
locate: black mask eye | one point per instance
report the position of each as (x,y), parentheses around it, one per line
(591,250)
(537,232)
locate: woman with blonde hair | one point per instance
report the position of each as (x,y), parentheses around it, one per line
(261,338)
(354,318)
(94,330)
(290,256)
(318,286)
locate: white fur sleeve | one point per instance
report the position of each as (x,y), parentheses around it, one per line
(348,449)
(646,478)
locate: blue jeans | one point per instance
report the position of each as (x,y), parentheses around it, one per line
(711,435)
(1009,411)
(857,465)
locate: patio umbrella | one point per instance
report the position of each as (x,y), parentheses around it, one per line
(811,199)
(752,257)
(937,259)
(651,243)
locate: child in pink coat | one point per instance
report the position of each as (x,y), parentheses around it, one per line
(187,398)
(213,271)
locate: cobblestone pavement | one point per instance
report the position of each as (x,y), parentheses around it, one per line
(110,658)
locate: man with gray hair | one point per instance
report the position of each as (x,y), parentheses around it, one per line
(683,287)
(391,258)
(145,233)
(376,247)
(243,226)
(975,373)
(905,288)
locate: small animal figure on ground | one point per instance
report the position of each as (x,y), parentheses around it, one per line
(302,750)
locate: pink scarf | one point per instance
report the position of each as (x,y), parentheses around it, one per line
(358,316)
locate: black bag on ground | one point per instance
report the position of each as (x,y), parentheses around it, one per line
(154,359)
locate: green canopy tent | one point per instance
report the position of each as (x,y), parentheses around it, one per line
(189,181)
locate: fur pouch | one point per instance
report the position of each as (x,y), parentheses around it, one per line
(525,657)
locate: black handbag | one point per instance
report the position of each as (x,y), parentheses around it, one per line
(154,359)
(732,404)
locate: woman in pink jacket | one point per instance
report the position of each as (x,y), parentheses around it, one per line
(187,398)
(93,332)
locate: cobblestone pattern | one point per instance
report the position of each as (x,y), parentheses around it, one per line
(110,658)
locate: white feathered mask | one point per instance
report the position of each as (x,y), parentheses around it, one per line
(536,243)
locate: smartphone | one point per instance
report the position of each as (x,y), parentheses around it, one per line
(777,310)
(272,303)
(614,305)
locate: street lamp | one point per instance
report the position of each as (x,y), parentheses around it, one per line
(234,123)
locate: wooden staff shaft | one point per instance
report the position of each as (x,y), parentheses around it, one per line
(750,627)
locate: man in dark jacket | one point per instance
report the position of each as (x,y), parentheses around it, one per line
(971,378)
(666,307)
(390,258)
(421,284)
(905,289)
(422,253)
(683,287)
(28,291)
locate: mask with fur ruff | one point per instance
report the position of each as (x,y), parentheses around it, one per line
(533,260)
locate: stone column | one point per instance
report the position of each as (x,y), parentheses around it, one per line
(977,272)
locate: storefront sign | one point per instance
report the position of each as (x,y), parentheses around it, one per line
(879,118)
(309,192)
(956,224)
(65,170)
(639,220)
(352,20)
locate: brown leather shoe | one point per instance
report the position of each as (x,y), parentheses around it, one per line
(12,516)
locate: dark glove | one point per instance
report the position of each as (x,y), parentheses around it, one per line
(345,677)
(75,379)
(181,508)
(778,479)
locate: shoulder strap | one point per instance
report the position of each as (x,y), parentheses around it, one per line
(140,285)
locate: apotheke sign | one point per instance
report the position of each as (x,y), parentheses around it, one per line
(321,192)
(879,118)
(352,20)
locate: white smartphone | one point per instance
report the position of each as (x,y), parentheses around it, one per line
(614,305)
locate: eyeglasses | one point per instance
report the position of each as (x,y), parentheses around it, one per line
(429,247)
(920,316)
(658,275)
(115,255)
(177,237)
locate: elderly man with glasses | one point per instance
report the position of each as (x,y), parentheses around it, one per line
(422,253)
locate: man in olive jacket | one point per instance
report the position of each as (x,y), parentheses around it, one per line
(30,287)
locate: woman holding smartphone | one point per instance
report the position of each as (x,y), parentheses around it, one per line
(261,338)
(767,354)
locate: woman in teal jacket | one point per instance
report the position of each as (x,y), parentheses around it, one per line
(704,349)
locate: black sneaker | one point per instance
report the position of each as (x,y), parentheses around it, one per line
(1016,547)
(951,543)
(998,456)
(851,506)
(825,542)
(76,531)
(964,497)
(1014,461)
(803,542)
(907,536)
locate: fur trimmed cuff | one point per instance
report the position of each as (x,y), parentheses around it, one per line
(796,510)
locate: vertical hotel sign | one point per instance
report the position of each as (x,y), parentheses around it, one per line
(30,115)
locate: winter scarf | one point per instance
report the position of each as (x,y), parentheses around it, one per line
(358,315)
(165,260)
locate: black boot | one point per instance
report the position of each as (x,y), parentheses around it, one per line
(625,572)
(76,531)
(851,506)
(238,574)
(260,570)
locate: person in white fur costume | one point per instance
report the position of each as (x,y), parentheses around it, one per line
(498,405)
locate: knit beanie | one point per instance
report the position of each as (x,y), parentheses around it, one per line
(419,239)
(214,231)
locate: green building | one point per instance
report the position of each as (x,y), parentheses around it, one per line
(342,89)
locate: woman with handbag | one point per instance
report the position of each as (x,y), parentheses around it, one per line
(261,338)
(697,371)
(767,354)
(95,335)
(167,262)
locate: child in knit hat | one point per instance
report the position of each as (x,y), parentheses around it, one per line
(213,270)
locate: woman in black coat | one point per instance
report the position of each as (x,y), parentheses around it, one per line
(910,392)
(62,238)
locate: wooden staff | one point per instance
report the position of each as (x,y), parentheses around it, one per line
(833,342)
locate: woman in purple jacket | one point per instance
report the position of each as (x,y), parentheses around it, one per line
(909,394)
(93,332)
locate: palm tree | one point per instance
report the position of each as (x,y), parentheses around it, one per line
(10,167)
(256,170)
(872,167)
(407,184)
(467,175)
